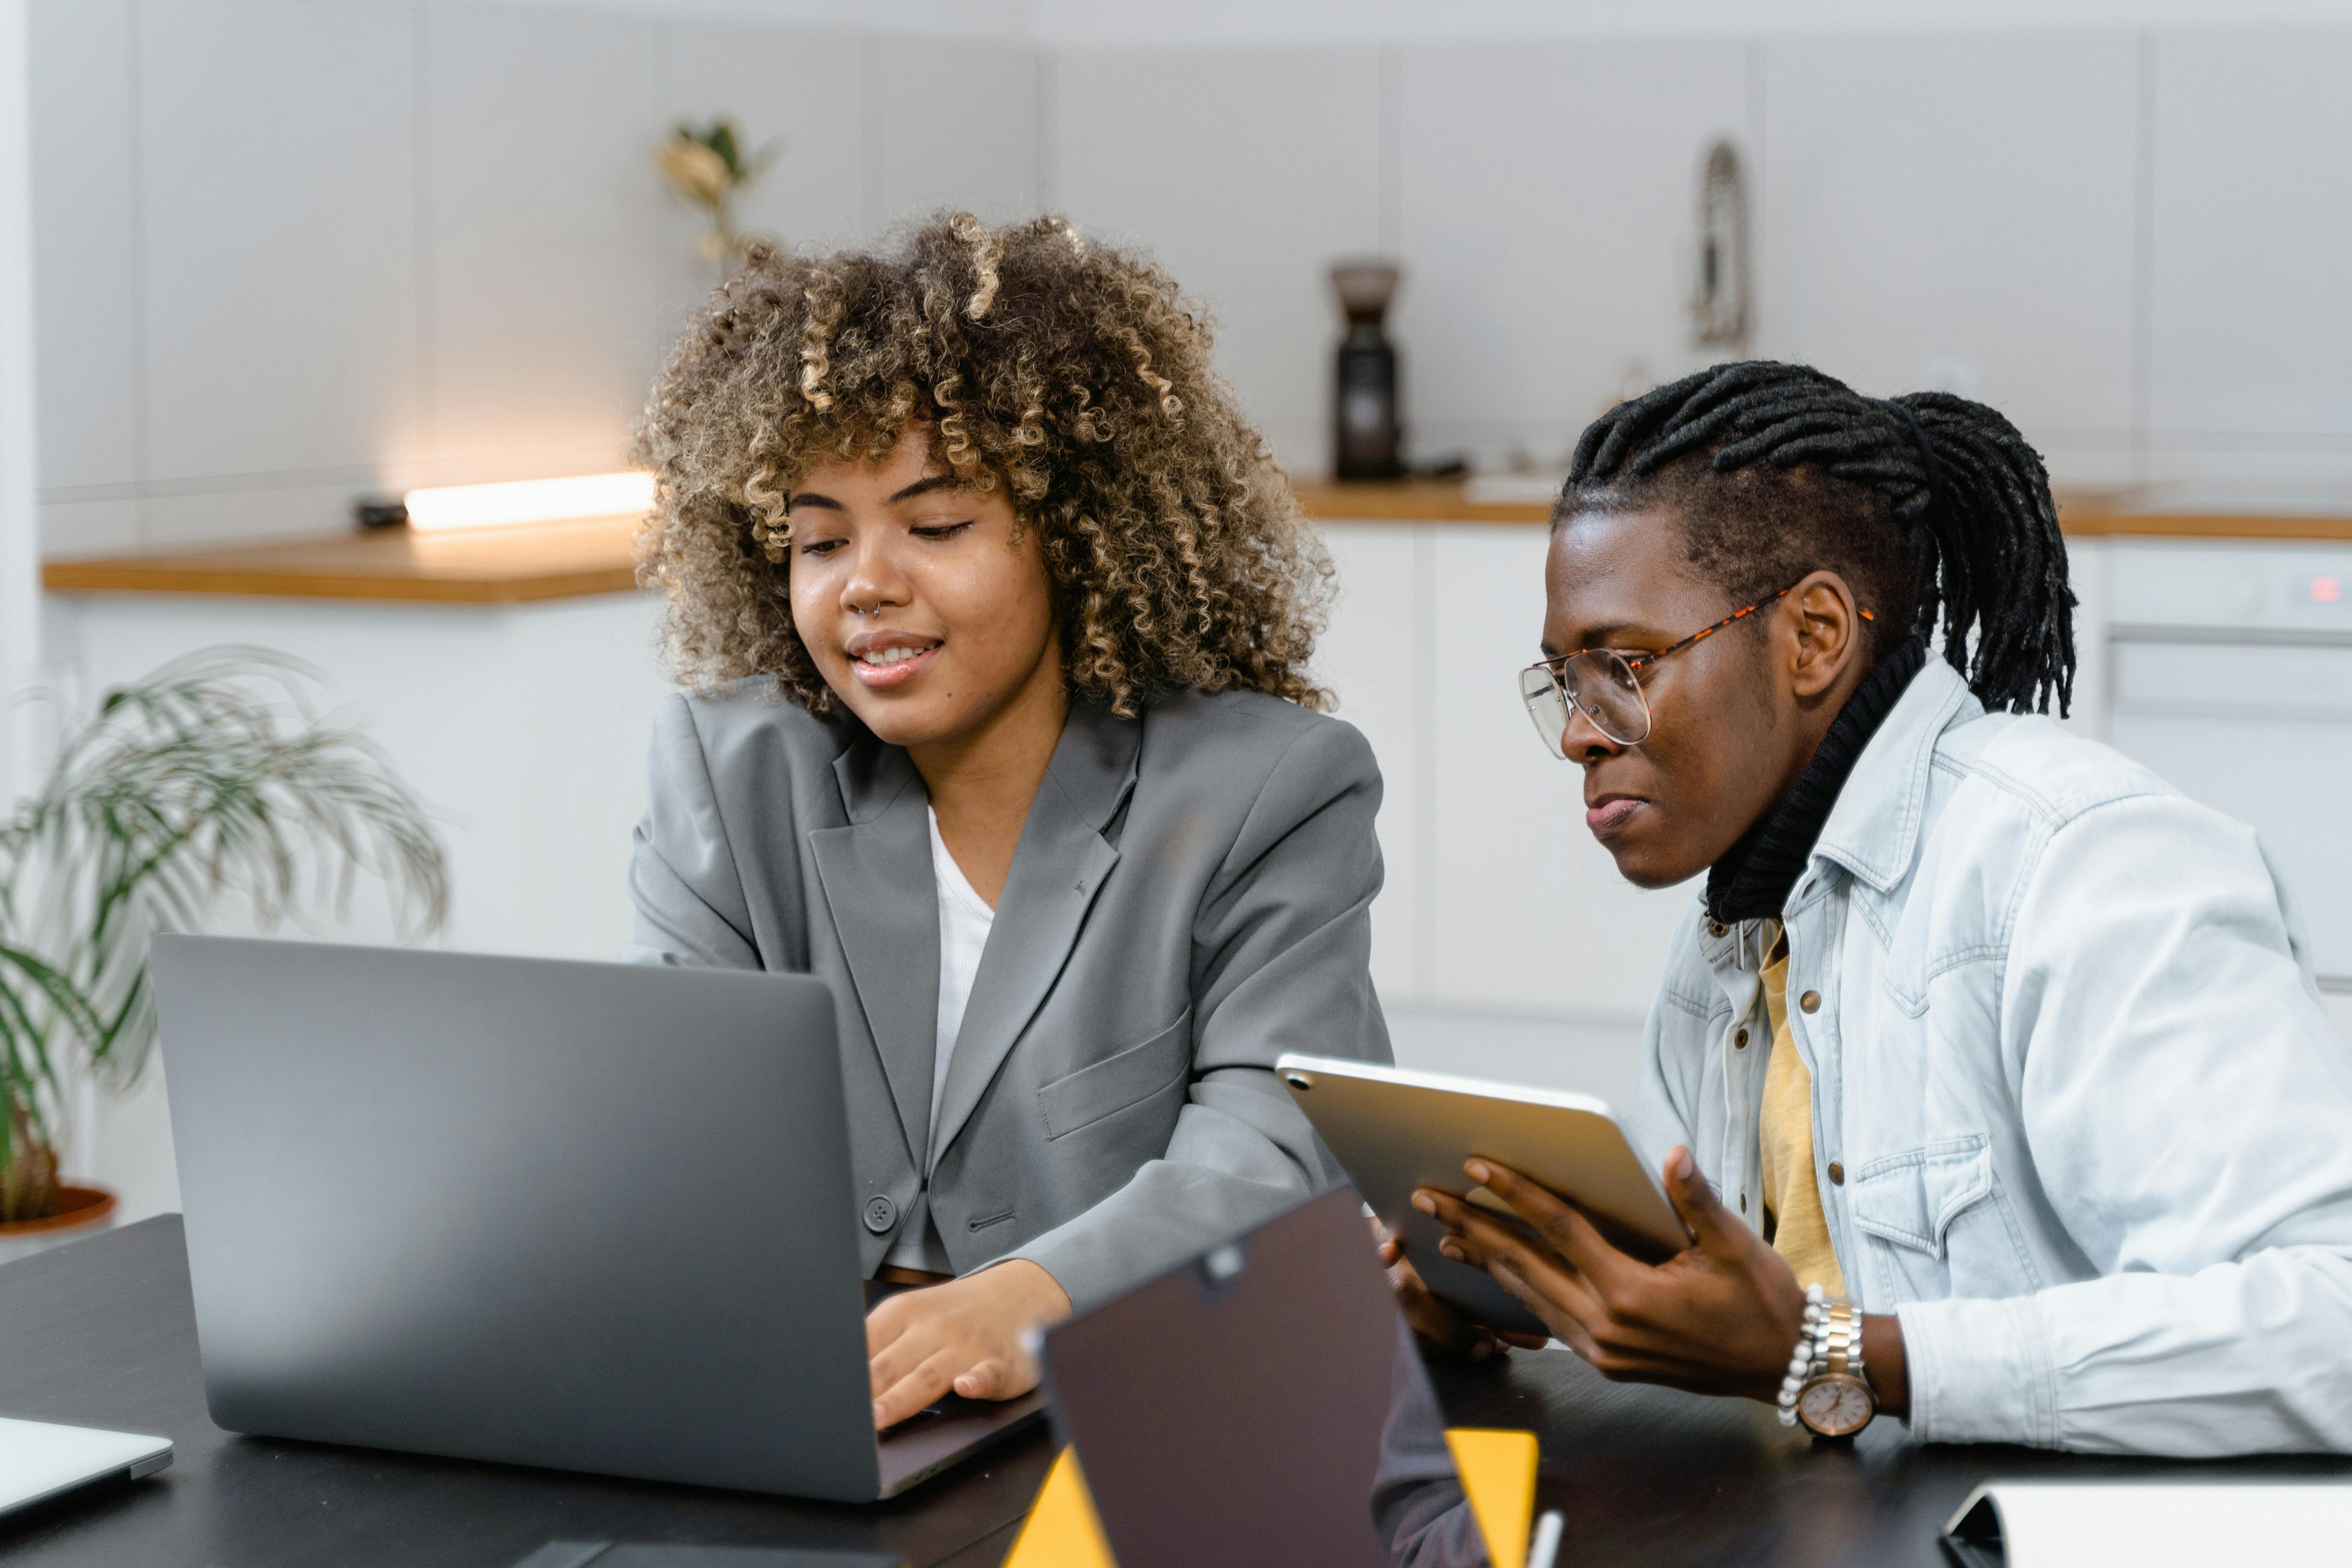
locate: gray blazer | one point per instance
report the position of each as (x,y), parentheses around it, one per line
(1189,900)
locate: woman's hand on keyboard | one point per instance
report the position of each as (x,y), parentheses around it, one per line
(963,1337)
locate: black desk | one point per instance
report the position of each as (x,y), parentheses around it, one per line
(1658,1476)
(101,1334)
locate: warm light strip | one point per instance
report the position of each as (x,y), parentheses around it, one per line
(446,507)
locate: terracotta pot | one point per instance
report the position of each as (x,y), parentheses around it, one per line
(81,1211)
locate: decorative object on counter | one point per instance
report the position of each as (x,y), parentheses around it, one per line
(1368,429)
(708,168)
(214,777)
(371,513)
(1721,316)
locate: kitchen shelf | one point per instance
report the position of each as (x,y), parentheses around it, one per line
(575,560)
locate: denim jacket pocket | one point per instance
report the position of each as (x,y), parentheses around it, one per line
(1939,1224)
(1118,1081)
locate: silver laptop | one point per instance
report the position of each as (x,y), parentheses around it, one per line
(593,1217)
(39,1461)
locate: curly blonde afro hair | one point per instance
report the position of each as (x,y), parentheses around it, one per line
(1070,372)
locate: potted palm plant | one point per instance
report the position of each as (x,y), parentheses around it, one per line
(213,779)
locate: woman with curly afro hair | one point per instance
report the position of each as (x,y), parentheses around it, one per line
(997,613)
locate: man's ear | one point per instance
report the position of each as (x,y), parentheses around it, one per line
(1829,628)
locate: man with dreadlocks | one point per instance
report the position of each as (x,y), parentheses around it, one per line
(1989,1078)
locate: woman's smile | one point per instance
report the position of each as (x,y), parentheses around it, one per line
(881,660)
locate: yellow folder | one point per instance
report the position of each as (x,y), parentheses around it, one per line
(1499,1473)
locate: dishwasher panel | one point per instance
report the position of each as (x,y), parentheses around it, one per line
(2284,770)
(2233,680)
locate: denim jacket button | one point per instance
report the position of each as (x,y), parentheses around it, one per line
(1715,928)
(1837,1173)
(1811,1002)
(1739,1041)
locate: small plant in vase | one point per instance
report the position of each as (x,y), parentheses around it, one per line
(709,169)
(212,779)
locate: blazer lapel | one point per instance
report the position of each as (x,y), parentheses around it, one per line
(1059,866)
(884,902)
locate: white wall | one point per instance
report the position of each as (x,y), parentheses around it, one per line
(19,551)
(292,251)
(2122,236)
(2114,220)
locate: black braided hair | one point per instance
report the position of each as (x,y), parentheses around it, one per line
(1932,507)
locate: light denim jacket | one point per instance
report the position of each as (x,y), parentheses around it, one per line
(2079,1118)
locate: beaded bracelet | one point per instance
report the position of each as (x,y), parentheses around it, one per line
(1811,1356)
(1808,1354)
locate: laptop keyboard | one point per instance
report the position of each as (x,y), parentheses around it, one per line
(920,1418)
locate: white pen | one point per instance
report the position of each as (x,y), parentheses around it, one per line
(1545,1545)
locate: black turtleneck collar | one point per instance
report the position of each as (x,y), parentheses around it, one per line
(1753,879)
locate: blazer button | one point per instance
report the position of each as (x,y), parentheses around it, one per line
(881,1214)
(1837,1174)
(1811,1001)
(1739,1041)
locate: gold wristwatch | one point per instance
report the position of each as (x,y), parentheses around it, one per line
(1835,1399)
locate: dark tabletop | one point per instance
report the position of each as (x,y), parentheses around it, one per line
(101,1333)
(1658,1476)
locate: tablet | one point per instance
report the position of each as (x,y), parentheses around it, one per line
(1393,1131)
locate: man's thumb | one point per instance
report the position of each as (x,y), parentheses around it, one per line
(1694,1199)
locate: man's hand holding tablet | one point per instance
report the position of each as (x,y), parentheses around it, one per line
(1507,1215)
(1717,1318)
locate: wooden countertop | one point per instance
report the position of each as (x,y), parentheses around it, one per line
(496,566)
(573,559)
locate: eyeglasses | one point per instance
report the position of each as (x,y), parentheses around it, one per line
(1605,685)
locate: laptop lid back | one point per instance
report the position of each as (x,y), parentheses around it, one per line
(1264,1404)
(585,1215)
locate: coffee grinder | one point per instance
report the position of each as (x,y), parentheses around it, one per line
(1368,435)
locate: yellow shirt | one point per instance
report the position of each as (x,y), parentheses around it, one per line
(1793,1194)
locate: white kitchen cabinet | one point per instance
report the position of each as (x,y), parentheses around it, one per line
(1957,214)
(279,233)
(1293,137)
(2251,351)
(1545,195)
(1506,945)
(523,727)
(1374,659)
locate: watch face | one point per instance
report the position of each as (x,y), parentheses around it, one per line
(1835,1405)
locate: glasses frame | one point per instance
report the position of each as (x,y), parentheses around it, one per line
(1635,663)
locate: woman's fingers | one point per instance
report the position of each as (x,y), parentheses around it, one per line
(919,1388)
(992,1379)
(886,1323)
(899,1355)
